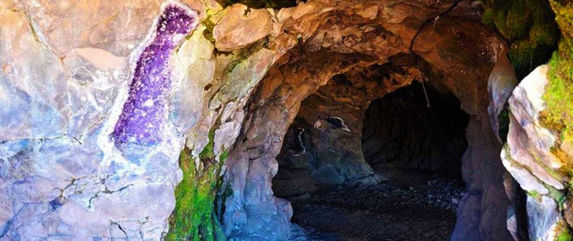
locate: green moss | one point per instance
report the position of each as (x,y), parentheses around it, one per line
(209,26)
(558,196)
(558,114)
(533,194)
(529,29)
(224,156)
(565,235)
(194,217)
(207,153)
(243,54)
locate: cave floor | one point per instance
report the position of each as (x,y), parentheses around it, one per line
(423,209)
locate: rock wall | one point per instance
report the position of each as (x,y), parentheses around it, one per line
(276,101)
(71,70)
(62,176)
(323,144)
(528,156)
(537,152)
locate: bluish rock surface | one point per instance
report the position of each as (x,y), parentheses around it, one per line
(61,175)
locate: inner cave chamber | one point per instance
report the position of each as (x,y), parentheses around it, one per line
(415,128)
(358,150)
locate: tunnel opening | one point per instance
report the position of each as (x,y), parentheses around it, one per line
(324,92)
(410,138)
(356,164)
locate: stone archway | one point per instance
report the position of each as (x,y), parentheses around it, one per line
(327,162)
(444,60)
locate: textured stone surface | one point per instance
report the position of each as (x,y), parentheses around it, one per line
(31,109)
(530,158)
(545,220)
(61,177)
(318,151)
(323,144)
(501,83)
(355,42)
(529,143)
(241,26)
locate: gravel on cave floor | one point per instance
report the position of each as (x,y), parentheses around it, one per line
(389,211)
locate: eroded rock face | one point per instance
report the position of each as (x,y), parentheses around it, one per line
(62,176)
(502,81)
(241,26)
(354,43)
(529,157)
(323,145)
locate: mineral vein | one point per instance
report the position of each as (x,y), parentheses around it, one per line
(144,111)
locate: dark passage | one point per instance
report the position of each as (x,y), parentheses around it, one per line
(408,141)
(413,153)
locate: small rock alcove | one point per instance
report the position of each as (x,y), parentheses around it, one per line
(355,152)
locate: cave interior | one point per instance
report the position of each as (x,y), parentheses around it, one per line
(353,138)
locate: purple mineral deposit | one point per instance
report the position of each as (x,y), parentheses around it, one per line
(144,111)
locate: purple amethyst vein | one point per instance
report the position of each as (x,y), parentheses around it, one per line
(144,111)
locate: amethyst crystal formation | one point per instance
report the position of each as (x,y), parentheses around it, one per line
(144,112)
(61,177)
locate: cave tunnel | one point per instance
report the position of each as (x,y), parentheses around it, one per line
(360,163)
(403,131)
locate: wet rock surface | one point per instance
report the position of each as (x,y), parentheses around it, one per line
(391,210)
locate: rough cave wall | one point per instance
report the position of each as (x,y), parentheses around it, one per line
(482,211)
(323,144)
(53,168)
(402,132)
(537,152)
(61,172)
(64,81)
(252,164)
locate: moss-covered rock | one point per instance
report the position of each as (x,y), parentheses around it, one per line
(529,28)
(194,217)
(565,235)
(558,114)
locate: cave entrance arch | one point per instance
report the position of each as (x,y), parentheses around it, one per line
(253,210)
